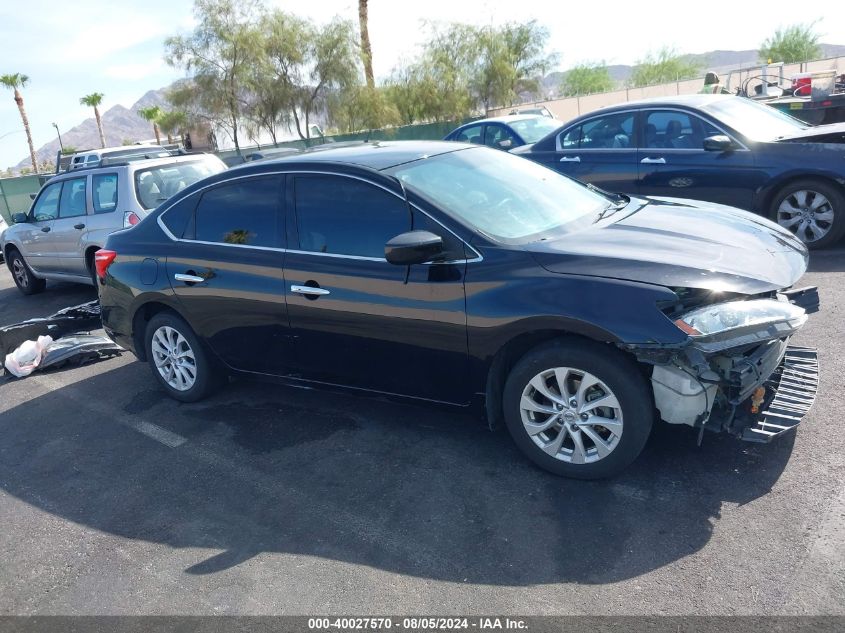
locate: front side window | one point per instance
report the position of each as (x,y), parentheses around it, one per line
(672,129)
(104,190)
(498,136)
(47,206)
(156,184)
(471,134)
(346,216)
(612,131)
(244,212)
(503,196)
(72,203)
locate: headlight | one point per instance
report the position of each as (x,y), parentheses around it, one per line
(735,315)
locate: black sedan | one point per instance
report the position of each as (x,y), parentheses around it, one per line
(716,148)
(456,274)
(504,132)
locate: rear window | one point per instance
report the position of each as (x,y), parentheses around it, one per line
(156,184)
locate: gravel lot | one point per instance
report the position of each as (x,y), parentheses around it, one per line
(116,500)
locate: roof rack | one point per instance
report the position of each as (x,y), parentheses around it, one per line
(126,159)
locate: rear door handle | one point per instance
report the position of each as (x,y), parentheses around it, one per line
(45,229)
(570,159)
(79,226)
(189,279)
(654,161)
(309,290)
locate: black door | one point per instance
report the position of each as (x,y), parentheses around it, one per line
(601,151)
(228,273)
(358,320)
(673,162)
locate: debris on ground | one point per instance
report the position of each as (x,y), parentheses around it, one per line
(45,352)
(26,358)
(81,318)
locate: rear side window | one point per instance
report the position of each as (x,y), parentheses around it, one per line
(244,212)
(47,206)
(345,216)
(72,203)
(176,218)
(156,184)
(104,190)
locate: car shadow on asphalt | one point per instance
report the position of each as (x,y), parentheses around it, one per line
(827,261)
(425,492)
(16,307)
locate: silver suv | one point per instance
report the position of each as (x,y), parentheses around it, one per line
(75,211)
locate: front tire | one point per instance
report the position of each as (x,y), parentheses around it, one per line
(178,359)
(578,409)
(811,209)
(25,279)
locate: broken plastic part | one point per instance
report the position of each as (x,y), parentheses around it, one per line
(81,318)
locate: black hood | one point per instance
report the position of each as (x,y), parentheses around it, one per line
(681,243)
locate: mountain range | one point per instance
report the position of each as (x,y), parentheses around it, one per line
(123,124)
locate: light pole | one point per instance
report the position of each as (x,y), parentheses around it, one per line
(62,147)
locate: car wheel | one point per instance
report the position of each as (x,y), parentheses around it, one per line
(178,359)
(578,409)
(24,278)
(813,210)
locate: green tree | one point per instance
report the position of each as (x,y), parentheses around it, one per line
(217,56)
(68,150)
(152,114)
(662,67)
(172,122)
(587,78)
(794,43)
(15,82)
(93,101)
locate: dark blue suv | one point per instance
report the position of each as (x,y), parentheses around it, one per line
(717,148)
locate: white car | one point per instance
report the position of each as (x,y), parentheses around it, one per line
(92,158)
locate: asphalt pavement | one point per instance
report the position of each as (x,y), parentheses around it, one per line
(264,499)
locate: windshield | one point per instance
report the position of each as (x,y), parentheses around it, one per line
(504,196)
(156,184)
(533,129)
(756,121)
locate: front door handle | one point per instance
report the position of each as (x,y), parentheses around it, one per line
(189,279)
(45,229)
(309,290)
(570,159)
(653,161)
(79,226)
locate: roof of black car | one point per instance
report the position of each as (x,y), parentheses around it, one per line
(375,155)
(694,101)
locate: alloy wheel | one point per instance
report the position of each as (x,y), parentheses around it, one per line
(174,358)
(571,415)
(807,213)
(19,271)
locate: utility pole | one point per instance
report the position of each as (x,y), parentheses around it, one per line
(62,147)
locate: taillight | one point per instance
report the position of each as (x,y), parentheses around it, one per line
(102,260)
(130,218)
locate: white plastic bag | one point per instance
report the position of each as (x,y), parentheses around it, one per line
(23,361)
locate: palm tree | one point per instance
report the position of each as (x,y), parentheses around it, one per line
(15,82)
(152,114)
(173,122)
(366,51)
(92,101)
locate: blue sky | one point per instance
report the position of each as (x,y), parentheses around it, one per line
(70,49)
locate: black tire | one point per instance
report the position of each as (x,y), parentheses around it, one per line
(25,279)
(209,376)
(834,195)
(619,373)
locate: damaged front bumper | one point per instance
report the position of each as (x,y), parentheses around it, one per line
(755,386)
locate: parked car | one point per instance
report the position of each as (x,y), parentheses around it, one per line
(3,227)
(715,148)
(92,157)
(541,110)
(505,132)
(75,211)
(456,274)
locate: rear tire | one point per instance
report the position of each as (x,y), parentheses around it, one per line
(578,408)
(178,359)
(813,210)
(25,279)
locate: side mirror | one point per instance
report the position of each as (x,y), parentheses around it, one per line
(32,196)
(20,218)
(718,143)
(506,143)
(413,247)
